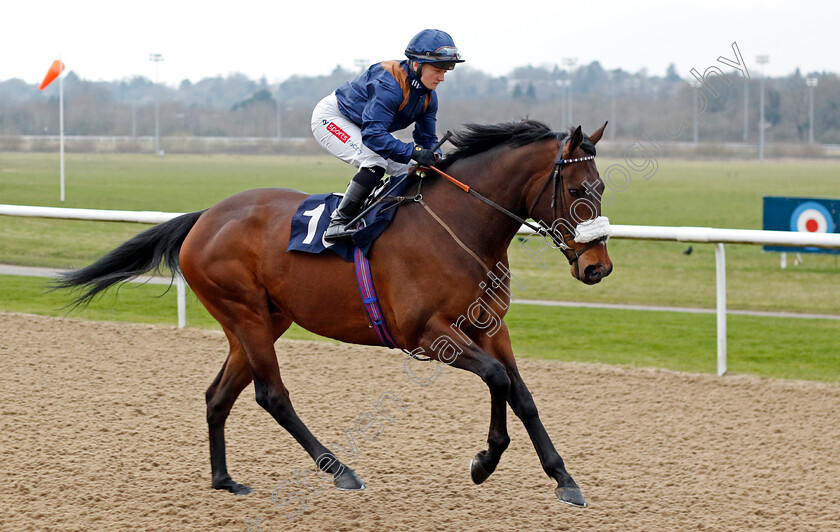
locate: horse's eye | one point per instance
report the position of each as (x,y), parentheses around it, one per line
(575,193)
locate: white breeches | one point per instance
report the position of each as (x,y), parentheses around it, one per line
(343,138)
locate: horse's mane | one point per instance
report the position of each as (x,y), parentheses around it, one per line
(477,138)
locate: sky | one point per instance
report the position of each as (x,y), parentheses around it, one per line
(108,41)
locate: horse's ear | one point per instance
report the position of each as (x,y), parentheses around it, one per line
(574,143)
(595,137)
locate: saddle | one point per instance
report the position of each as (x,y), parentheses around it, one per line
(313,216)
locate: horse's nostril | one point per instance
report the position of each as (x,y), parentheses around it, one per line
(593,273)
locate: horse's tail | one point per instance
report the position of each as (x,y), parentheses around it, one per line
(136,256)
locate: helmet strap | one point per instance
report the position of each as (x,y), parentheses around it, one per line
(419,69)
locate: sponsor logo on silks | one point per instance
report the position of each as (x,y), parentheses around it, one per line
(356,146)
(415,84)
(338,132)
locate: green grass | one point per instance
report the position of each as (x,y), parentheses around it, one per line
(706,193)
(181,183)
(767,347)
(658,273)
(171,183)
(711,194)
(770,347)
(130,303)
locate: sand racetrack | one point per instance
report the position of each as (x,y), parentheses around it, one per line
(103,429)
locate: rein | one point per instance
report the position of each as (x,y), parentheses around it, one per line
(596,228)
(469,190)
(419,199)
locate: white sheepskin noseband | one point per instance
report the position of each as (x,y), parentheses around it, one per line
(593,230)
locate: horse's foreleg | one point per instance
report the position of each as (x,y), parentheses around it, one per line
(523,406)
(234,376)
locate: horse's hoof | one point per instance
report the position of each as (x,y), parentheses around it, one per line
(571,496)
(241,489)
(477,470)
(348,480)
(233,487)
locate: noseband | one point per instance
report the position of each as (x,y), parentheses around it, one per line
(591,232)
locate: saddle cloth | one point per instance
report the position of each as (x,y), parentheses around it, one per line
(313,216)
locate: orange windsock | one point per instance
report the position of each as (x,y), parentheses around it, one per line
(55,70)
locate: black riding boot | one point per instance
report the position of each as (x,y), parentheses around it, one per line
(351,204)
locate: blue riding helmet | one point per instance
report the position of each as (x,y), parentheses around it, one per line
(435,47)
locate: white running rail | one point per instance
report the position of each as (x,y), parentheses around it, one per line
(709,235)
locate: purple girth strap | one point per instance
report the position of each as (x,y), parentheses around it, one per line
(374,311)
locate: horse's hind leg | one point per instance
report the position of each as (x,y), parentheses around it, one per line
(494,375)
(234,376)
(272,395)
(475,358)
(240,304)
(485,462)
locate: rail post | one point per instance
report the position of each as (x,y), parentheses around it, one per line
(720,286)
(181,291)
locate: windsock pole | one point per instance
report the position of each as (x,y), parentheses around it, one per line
(61,127)
(55,71)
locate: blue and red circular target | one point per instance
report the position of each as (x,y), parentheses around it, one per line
(811,217)
(802,215)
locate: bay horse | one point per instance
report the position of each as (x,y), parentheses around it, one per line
(428,268)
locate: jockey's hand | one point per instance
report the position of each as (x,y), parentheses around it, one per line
(424,156)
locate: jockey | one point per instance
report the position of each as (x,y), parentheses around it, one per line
(355,122)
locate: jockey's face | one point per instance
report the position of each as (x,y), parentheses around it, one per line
(431,77)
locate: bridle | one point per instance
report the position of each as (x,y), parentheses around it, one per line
(596,235)
(566,236)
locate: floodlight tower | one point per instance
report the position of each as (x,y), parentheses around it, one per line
(613,91)
(746,107)
(563,84)
(811,82)
(279,111)
(156,58)
(761,60)
(696,85)
(570,62)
